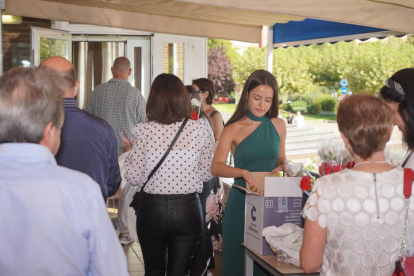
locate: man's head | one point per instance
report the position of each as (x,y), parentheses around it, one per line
(121,68)
(31,108)
(66,72)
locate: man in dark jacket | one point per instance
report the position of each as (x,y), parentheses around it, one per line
(88,142)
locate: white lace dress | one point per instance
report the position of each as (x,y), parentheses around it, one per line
(364,223)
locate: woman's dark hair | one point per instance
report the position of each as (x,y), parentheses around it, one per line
(206,85)
(257,78)
(168,101)
(191,89)
(405,79)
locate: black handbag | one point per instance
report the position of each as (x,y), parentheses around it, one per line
(135,201)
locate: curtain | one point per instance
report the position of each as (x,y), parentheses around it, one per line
(93,62)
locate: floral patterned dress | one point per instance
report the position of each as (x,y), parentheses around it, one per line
(214,213)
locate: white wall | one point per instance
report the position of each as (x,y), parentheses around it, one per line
(195,55)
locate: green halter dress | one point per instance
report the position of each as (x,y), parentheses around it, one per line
(258,152)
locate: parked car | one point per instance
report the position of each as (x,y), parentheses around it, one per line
(221,99)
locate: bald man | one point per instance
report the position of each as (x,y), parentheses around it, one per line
(118,102)
(88,142)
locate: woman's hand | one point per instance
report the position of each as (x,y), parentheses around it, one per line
(283,167)
(128,144)
(252,183)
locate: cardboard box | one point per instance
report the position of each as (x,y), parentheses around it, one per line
(280,204)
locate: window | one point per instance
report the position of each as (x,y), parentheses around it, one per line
(173,59)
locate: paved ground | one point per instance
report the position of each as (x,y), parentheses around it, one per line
(395,145)
(395,141)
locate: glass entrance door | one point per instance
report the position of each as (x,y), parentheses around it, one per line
(48,43)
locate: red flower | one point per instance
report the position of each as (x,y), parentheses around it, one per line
(325,169)
(337,168)
(305,183)
(328,168)
(194,116)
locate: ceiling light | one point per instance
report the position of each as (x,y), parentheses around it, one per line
(10,19)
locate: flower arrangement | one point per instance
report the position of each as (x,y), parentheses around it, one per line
(334,157)
(297,169)
(196,109)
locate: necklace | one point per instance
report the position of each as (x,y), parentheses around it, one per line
(369,162)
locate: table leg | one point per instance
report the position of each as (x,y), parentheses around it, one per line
(248,264)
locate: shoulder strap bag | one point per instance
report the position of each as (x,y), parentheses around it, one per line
(405,265)
(135,201)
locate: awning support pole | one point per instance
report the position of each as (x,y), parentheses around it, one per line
(269,56)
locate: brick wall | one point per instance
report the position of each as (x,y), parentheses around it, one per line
(16,41)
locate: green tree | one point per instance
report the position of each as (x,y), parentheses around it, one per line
(220,70)
(252,59)
(52,47)
(291,68)
(229,50)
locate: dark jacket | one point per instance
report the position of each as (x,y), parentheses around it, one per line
(88,145)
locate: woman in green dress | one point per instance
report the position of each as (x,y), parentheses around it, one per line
(256,137)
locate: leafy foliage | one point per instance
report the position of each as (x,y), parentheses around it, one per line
(298,106)
(252,59)
(328,104)
(312,73)
(52,47)
(307,70)
(220,70)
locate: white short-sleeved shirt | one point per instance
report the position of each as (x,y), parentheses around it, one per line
(358,242)
(187,165)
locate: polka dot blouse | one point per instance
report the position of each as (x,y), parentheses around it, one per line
(364,223)
(186,166)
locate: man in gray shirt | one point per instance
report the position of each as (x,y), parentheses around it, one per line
(118,102)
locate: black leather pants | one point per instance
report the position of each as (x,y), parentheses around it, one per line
(169,227)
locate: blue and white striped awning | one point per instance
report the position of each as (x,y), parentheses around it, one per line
(313,31)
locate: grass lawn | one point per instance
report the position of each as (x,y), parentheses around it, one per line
(317,117)
(225,108)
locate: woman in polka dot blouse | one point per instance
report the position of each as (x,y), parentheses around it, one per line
(169,215)
(354,218)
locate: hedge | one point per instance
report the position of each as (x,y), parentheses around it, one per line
(298,106)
